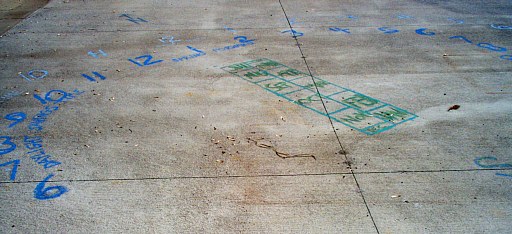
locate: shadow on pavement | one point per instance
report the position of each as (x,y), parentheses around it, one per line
(14,11)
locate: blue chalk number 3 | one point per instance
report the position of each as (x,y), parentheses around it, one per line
(6,142)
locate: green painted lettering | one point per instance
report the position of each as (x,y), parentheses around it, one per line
(239,66)
(358,100)
(288,72)
(391,115)
(253,74)
(308,100)
(268,64)
(358,117)
(277,86)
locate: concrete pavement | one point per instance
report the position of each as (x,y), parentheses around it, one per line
(270,116)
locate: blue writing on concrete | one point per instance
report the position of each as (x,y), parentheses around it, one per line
(421,31)
(134,20)
(230,29)
(37,153)
(487,162)
(96,55)
(14,169)
(7,145)
(50,96)
(35,74)
(147,60)
(457,21)
(481,162)
(505,175)
(168,39)
(491,47)
(187,57)
(16,117)
(336,29)
(462,38)
(243,42)
(91,79)
(293,33)
(37,121)
(9,96)
(501,27)
(402,16)
(388,30)
(506,57)
(44,193)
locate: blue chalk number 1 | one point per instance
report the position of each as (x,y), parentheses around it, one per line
(15,164)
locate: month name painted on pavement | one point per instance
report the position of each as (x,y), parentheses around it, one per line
(353,109)
(342,105)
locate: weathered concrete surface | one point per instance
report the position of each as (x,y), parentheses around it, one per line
(13,11)
(188,147)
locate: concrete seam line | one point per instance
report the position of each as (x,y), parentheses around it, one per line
(259,176)
(24,18)
(330,121)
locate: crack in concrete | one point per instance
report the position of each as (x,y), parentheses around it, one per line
(347,160)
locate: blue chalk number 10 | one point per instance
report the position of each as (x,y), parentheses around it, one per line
(50,97)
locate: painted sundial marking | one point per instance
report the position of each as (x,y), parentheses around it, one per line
(353,109)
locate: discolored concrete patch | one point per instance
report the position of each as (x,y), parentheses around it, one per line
(14,11)
(142,116)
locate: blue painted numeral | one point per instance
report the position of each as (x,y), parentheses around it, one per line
(137,20)
(146,62)
(402,16)
(336,29)
(7,142)
(506,57)
(14,170)
(16,117)
(461,37)
(91,79)
(294,33)
(421,31)
(388,30)
(457,21)
(95,55)
(506,175)
(478,161)
(40,74)
(42,193)
(168,39)
(491,47)
(501,27)
(49,96)
(242,39)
